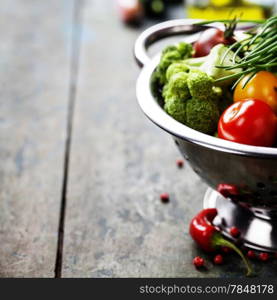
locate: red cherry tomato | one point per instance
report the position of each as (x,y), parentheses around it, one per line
(250,122)
(208,39)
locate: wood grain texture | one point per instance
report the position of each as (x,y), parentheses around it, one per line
(34,79)
(120,163)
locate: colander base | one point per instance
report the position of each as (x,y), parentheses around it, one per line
(256,232)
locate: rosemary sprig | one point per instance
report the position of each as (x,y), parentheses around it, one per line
(254,53)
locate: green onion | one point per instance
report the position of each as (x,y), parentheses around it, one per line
(255,53)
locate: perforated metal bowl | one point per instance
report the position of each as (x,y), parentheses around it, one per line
(253,170)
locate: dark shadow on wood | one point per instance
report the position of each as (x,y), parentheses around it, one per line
(74,68)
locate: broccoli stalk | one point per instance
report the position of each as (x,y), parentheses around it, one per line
(219,56)
(210,64)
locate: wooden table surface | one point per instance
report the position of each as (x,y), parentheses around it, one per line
(81,166)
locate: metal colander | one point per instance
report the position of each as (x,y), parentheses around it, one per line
(253,170)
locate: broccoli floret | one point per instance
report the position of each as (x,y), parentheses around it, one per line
(176,68)
(169,48)
(189,94)
(195,113)
(200,85)
(185,49)
(202,115)
(170,55)
(168,58)
(176,108)
(177,87)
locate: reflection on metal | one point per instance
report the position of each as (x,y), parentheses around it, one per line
(256,231)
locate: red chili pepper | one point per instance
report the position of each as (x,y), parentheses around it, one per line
(209,238)
(227,190)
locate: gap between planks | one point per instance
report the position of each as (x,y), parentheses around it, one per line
(74,69)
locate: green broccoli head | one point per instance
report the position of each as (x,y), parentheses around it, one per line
(175,68)
(177,87)
(168,58)
(169,48)
(202,115)
(176,108)
(200,84)
(185,50)
(170,55)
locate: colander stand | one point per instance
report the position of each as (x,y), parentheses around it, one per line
(257,231)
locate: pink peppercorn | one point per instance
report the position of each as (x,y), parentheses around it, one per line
(198,261)
(234,231)
(180,163)
(251,254)
(263,256)
(218,259)
(164,197)
(226,249)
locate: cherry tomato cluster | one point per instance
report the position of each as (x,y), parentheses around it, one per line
(252,118)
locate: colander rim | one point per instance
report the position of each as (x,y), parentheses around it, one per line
(157,115)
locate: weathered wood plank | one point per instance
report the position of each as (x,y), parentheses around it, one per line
(120,162)
(34,79)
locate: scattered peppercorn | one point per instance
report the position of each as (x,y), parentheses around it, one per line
(227,190)
(218,259)
(180,163)
(251,254)
(208,236)
(234,231)
(226,249)
(263,256)
(164,197)
(198,261)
